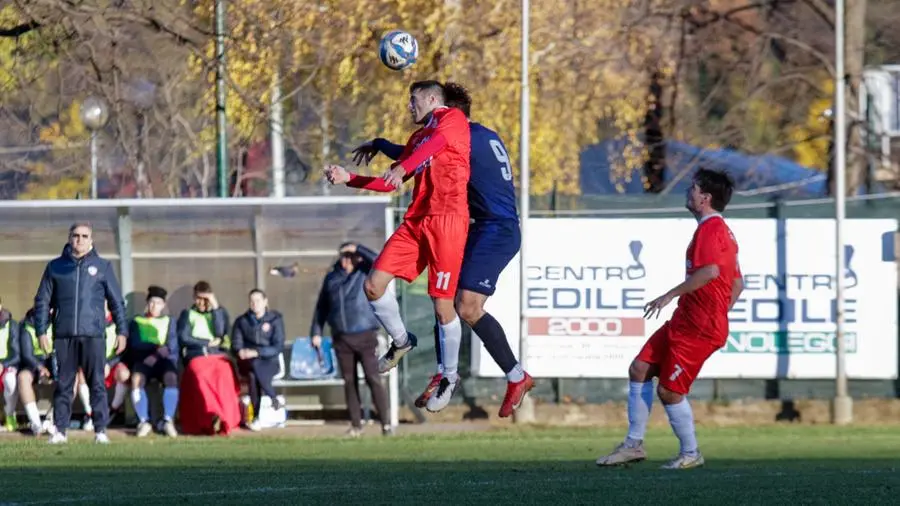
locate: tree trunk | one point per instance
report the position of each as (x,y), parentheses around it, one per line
(854,58)
(655,166)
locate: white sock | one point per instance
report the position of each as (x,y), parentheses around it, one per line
(84,393)
(119,396)
(388,313)
(141,409)
(681,418)
(451,338)
(517,374)
(640,400)
(170,402)
(34,416)
(10,393)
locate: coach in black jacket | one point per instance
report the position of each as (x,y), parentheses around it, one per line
(76,285)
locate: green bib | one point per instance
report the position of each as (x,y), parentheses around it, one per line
(201,325)
(153,330)
(38,352)
(111,336)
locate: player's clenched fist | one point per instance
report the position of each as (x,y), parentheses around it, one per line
(336,174)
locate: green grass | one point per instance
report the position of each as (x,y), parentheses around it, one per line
(766,466)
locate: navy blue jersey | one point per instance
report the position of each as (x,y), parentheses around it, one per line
(492,194)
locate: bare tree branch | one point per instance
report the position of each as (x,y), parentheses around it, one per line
(19,30)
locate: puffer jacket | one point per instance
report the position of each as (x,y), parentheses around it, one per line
(265,335)
(77,288)
(342,302)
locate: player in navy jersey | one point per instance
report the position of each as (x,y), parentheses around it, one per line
(493,240)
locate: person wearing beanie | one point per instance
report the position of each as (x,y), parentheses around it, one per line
(154,356)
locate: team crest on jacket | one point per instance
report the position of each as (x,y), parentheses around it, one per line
(92,270)
(266,327)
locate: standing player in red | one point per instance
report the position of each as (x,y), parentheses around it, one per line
(677,351)
(434,229)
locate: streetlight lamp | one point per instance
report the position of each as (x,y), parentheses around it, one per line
(94,114)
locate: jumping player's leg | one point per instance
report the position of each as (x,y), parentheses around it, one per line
(489,249)
(470,306)
(445,240)
(401,258)
(435,380)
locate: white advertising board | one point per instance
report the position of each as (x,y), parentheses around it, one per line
(588,280)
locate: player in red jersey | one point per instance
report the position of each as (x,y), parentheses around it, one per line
(699,326)
(434,229)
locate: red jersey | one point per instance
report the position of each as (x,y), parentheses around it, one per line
(704,312)
(437,156)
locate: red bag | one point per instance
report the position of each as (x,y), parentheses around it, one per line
(209,391)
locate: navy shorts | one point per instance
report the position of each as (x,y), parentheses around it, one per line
(489,248)
(157,371)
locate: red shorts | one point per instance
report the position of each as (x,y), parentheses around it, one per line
(111,375)
(679,357)
(437,242)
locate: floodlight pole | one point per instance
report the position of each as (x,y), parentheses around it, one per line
(525,413)
(842,405)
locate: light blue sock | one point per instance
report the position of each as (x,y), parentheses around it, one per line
(141,406)
(640,400)
(681,417)
(170,402)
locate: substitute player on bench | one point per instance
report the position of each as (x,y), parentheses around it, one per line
(677,351)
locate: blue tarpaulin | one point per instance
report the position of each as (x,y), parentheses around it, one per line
(762,174)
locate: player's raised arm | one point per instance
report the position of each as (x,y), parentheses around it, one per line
(339,175)
(390,150)
(364,153)
(452,125)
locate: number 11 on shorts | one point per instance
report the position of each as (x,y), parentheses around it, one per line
(443,280)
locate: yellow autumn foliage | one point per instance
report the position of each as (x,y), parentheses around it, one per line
(585,67)
(812,138)
(50,179)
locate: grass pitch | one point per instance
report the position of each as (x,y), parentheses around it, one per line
(766,466)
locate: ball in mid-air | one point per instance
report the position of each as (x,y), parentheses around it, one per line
(398,50)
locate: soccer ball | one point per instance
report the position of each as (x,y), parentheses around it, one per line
(398,50)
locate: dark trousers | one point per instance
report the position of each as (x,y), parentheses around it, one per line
(260,373)
(89,354)
(352,349)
